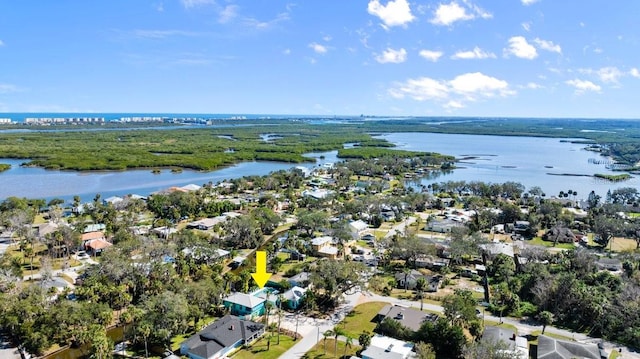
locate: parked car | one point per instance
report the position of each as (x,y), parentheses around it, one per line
(80,255)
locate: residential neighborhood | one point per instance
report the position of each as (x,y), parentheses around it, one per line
(384,270)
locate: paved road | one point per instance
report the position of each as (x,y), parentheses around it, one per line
(6,350)
(311,329)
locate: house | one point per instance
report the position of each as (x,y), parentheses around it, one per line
(96,246)
(206,223)
(220,338)
(409,318)
(300,280)
(164,232)
(409,281)
(191,187)
(521,227)
(95,227)
(431,262)
(382,347)
(324,248)
(357,228)
(317,193)
(45,229)
(495,248)
(245,305)
(550,348)
(610,264)
(91,236)
(113,200)
(442,225)
(515,344)
(293,297)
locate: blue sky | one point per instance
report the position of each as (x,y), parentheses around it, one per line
(524,58)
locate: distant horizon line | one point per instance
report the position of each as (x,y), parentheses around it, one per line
(287,116)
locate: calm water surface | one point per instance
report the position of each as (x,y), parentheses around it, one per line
(528,160)
(497,159)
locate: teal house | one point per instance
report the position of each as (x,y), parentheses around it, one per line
(248,306)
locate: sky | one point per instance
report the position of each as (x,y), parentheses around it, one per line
(487,58)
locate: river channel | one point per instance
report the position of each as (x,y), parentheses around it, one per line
(532,161)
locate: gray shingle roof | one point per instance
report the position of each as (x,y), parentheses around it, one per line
(549,348)
(223,333)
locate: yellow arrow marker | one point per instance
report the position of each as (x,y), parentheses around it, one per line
(261,276)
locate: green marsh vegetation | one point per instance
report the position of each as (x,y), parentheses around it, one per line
(4,167)
(226,143)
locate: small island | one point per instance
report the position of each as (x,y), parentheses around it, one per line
(613,178)
(4,167)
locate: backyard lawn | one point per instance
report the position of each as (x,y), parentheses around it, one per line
(259,348)
(319,352)
(361,318)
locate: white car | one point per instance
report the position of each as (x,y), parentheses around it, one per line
(82,255)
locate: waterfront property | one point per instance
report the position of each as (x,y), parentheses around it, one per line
(221,338)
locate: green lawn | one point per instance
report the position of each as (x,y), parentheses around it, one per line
(318,352)
(538,241)
(259,348)
(361,318)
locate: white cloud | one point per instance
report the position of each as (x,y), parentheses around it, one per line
(431,55)
(8,88)
(447,14)
(268,24)
(327,38)
(532,86)
(476,53)
(582,86)
(454,93)
(392,56)
(162,34)
(286,52)
(395,13)
(195,3)
(421,89)
(609,74)
(453,104)
(1,43)
(227,14)
(477,83)
(547,45)
(529,2)
(319,49)
(526,26)
(519,47)
(635,73)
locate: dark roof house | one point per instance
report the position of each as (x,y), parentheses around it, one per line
(408,317)
(220,338)
(550,348)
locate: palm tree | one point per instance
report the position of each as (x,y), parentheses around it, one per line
(347,344)
(546,318)
(336,333)
(326,334)
(421,285)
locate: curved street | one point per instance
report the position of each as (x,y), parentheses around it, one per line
(311,329)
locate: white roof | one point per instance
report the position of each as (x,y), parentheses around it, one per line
(294,294)
(318,241)
(246,300)
(387,348)
(359,225)
(191,187)
(329,250)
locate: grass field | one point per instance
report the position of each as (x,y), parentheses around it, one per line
(319,352)
(538,241)
(361,318)
(259,348)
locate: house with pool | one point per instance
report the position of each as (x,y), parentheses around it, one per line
(251,305)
